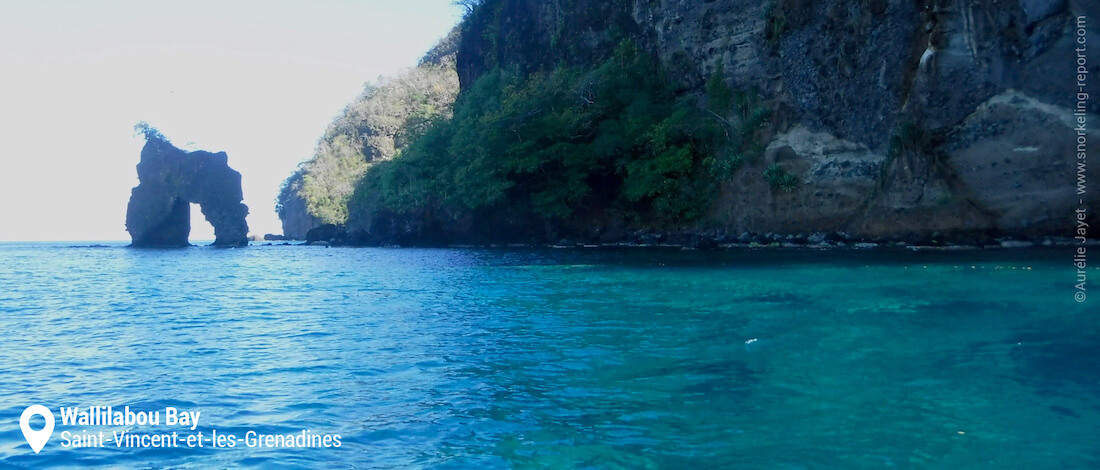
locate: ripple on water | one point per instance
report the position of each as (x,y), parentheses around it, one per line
(559,358)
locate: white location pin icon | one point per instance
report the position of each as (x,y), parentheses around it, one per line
(37,439)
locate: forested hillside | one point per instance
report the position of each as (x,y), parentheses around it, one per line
(377,126)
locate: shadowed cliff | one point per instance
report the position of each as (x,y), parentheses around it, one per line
(170,180)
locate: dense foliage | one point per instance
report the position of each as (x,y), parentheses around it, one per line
(613,142)
(385,118)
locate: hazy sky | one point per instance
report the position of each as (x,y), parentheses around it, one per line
(259,80)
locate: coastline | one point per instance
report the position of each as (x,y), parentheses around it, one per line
(696,241)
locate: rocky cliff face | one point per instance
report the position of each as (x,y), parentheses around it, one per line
(901,119)
(170,180)
(293,213)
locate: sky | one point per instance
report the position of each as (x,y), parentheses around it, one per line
(260,80)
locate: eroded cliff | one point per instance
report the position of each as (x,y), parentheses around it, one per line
(170,180)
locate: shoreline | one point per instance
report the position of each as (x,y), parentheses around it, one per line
(759,242)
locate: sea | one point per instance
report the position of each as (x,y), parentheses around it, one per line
(501,358)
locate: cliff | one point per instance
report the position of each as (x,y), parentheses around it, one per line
(902,118)
(295,217)
(925,120)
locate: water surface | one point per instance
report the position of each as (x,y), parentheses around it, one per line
(561,358)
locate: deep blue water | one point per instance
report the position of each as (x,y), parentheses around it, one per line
(559,358)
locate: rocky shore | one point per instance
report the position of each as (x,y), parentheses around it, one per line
(333,235)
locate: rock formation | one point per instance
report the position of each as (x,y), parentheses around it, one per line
(293,210)
(170,180)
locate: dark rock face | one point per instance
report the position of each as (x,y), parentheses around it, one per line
(977,93)
(170,180)
(293,212)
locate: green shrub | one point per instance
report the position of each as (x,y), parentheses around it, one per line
(747,118)
(726,166)
(780,179)
(719,95)
(752,118)
(788,183)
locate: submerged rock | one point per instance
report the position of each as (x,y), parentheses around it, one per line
(170,180)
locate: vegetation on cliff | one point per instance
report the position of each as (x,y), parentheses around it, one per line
(384,119)
(614,141)
(562,147)
(590,119)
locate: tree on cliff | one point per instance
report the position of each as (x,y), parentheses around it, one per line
(468,5)
(149,132)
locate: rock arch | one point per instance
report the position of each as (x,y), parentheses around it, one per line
(169,181)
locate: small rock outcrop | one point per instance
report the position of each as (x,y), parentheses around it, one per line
(294,211)
(170,180)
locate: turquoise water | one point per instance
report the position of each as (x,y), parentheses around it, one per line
(559,358)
